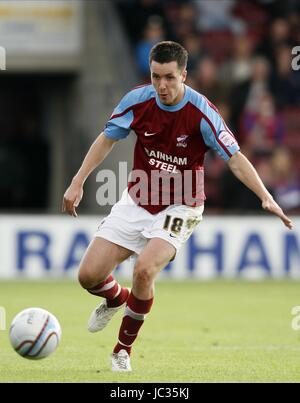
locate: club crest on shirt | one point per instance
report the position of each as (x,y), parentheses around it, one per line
(181,140)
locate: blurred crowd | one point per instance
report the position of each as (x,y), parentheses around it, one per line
(240,57)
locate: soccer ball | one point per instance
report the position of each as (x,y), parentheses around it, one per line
(35,333)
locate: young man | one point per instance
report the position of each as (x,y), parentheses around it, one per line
(175,126)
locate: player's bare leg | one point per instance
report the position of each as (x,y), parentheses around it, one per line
(99,260)
(95,276)
(155,256)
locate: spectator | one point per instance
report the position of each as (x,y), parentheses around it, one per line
(238,69)
(258,85)
(192,44)
(185,23)
(153,33)
(246,95)
(208,82)
(279,35)
(262,129)
(285,82)
(136,13)
(215,15)
(286,181)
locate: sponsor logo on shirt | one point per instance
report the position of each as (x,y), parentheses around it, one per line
(165,162)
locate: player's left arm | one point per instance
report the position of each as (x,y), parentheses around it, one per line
(247,174)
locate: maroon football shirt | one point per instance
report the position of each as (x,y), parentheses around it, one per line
(170,146)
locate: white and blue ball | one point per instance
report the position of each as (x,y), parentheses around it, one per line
(35,333)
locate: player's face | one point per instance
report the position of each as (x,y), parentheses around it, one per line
(168,80)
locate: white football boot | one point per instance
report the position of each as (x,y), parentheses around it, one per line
(121,361)
(101,316)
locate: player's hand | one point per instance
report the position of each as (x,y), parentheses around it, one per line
(72,198)
(271,206)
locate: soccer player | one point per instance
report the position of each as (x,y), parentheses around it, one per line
(174,126)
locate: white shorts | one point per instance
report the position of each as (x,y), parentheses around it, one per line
(131,226)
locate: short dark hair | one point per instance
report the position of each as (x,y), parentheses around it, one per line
(169,51)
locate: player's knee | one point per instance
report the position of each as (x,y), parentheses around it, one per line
(83,279)
(144,273)
(87,279)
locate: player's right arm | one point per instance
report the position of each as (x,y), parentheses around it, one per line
(96,154)
(218,136)
(247,174)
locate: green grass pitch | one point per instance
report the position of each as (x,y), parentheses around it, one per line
(221,331)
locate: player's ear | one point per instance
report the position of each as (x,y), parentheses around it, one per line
(184,74)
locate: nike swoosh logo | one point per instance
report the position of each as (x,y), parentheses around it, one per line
(173,236)
(149,134)
(129,334)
